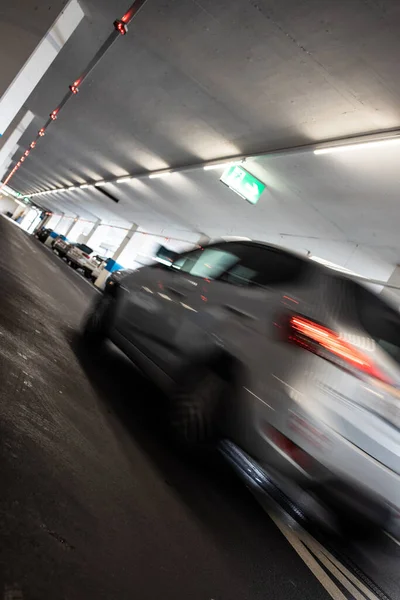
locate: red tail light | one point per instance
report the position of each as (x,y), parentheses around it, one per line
(86,255)
(292,450)
(327,343)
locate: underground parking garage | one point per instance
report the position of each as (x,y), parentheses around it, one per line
(144,137)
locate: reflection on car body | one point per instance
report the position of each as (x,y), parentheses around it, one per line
(294,362)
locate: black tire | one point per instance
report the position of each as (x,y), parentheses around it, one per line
(196,406)
(97,325)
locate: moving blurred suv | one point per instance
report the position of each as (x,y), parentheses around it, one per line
(78,257)
(295,363)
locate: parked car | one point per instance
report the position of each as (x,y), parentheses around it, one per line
(113,277)
(295,363)
(78,257)
(56,238)
(43,234)
(94,266)
(116,276)
(61,246)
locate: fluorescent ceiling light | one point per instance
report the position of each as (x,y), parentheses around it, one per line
(84,185)
(221,165)
(359,146)
(122,179)
(99,183)
(155,175)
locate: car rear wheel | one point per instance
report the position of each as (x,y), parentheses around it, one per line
(97,324)
(196,405)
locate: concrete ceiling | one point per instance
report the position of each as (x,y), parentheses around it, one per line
(196,80)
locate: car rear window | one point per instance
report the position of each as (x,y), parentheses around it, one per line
(265,266)
(380,321)
(84,248)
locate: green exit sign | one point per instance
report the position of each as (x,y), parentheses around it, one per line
(243,183)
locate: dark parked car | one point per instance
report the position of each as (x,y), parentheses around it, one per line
(116,277)
(43,234)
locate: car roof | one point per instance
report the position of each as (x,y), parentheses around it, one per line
(258,243)
(307,259)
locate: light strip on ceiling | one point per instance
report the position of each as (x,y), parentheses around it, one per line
(358,146)
(122,179)
(156,175)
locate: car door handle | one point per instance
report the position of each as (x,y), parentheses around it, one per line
(175,291)
(239,312)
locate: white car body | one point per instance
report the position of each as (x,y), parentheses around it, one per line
(78,256)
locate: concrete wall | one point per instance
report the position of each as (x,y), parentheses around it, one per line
(7,205)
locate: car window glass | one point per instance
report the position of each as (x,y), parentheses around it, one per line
(84,248)
(209,262)
(240,275)
(264,266)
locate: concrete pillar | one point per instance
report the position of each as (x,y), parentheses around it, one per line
(51,237)
(112,264)
(39,61)
(203,240)
(45,222)
(18,212)
(86,239)
(70,228)
(11,144)
(54,219)
(393,292)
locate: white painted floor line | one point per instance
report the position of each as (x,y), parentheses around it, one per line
(342,574)
(318,572)
(392,538)
(363,588)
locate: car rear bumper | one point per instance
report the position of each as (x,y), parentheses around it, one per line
(77,262)
(342,477)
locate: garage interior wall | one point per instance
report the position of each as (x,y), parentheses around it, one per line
(106,239)
(7,205)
